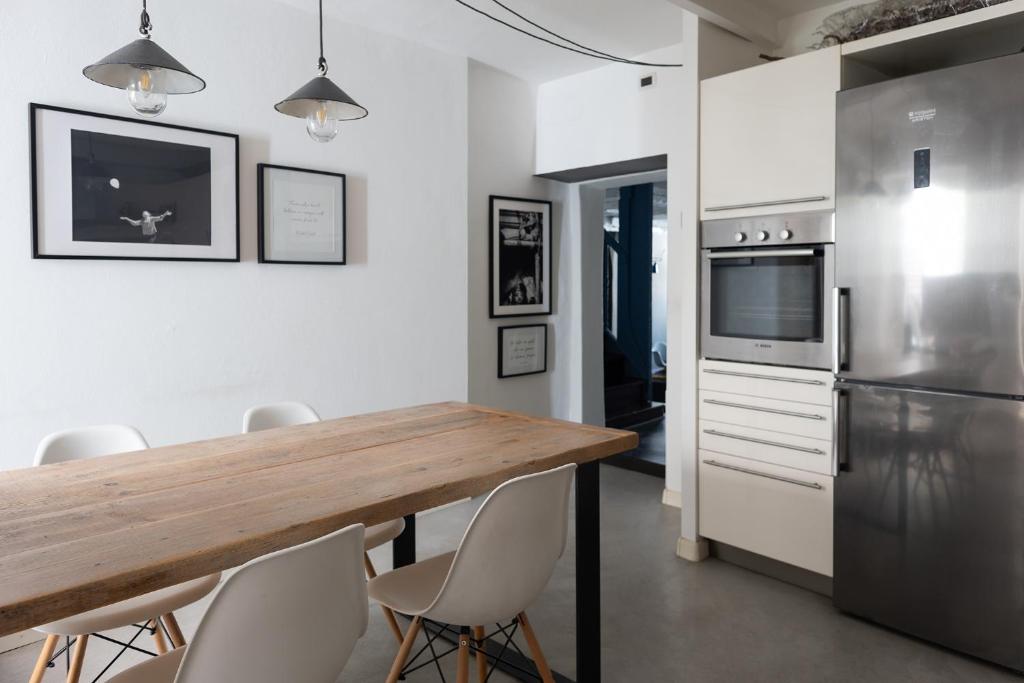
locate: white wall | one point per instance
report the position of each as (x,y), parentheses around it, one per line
(181,349)
(500,162)
(603,116)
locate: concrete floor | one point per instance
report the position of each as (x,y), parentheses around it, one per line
(664,619)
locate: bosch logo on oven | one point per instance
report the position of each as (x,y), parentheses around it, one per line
(763,346)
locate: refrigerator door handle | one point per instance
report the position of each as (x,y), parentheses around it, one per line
(840,417)
(840,329)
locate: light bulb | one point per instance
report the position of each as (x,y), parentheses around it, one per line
(319,126)
(143,98)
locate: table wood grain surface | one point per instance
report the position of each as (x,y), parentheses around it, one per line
(79,535)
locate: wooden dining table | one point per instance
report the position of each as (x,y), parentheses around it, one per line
(83,534)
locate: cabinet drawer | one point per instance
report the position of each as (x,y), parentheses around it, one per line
(769,510)
(787,417)
(787,450)
(767,381)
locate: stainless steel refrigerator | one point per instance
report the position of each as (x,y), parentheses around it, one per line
(929,500)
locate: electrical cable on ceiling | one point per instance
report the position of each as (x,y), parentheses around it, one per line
(578,49)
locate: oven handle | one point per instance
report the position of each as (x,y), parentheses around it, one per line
(760,253)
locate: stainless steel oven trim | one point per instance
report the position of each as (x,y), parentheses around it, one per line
(795,354)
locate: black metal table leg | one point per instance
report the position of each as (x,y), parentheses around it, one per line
(588,573)
(403,548)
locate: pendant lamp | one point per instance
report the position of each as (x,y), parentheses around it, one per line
(322,103)
(145,71)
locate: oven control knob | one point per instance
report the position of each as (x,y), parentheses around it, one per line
(762,235)
(740,237)
(786,234)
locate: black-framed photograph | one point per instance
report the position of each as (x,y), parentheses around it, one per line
(522,350)
(520,269)
(110,187)
(301,215)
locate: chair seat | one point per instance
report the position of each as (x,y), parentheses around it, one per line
(380,534)
(413,588)
(134,610)
(160,669)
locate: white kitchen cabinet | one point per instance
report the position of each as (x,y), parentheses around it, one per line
(768,137)
(766,509)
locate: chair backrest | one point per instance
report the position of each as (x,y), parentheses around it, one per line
(509,550)
(89,442)
(275,415)
(293,615)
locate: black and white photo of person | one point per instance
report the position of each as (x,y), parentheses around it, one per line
(148,222)
(520,257)
(134,190)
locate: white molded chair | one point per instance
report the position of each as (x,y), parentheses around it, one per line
(290,413)
(505,560)
(274,415)
(300,610)
(155,610)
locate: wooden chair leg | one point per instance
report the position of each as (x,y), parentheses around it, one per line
(403,652)
(462,676)
(77,658)
(44,658)
(481,658)
(158,636)
(177,639)
(538,654)
(371,573)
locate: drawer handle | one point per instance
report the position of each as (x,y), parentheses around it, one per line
(749,375)
(802,449)
(760,409)
(774,202)
(744,470)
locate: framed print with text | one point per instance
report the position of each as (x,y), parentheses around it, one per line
(522,350)
(520,269)
(301,215)
(109,187)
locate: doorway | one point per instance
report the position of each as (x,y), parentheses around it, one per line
(635,309)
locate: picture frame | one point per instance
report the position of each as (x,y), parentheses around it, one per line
(301,215)
(117,188)
(522,350)
(520,275)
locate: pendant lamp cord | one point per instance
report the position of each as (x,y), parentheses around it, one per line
(321,63)
(145,25)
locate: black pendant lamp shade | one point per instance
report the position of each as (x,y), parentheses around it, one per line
(321,93)
(120,68)
(320,101)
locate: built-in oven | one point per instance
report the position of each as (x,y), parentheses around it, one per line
(766,289)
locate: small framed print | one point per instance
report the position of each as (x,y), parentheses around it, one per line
(110,187)
(522,350)
(301,215)
(520,269)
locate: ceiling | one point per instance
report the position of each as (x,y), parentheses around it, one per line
(622,27)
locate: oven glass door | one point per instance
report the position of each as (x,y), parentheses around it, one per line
(770,294)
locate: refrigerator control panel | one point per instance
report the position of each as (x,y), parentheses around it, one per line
(922,168)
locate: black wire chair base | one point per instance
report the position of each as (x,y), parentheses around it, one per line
(434,630)
(125,646)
